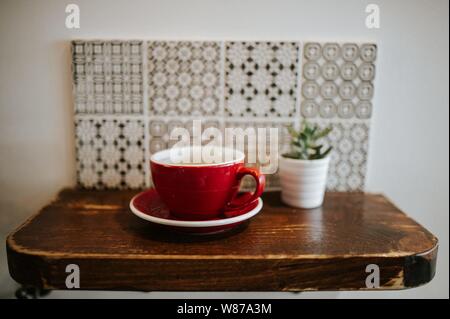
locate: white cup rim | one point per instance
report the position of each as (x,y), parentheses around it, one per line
(160,156)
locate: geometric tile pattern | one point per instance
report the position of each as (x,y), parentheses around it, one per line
(107,77)
(184,84)
(130,95)
(261,79)
(337,90)
(110,153)
(348,160)
(338,80)
(184,78)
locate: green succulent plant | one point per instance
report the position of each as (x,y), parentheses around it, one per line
(304,143)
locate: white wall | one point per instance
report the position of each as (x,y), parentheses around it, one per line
(409,135)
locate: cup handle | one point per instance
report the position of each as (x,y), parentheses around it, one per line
(237,201)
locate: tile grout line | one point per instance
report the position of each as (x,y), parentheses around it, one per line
(74,110)
(97,116)
(146,115)
(299,83)
(222,85)
(185,117)
(259,119)
(369,120)
(340,120)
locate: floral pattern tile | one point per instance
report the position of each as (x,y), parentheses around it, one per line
(184,78)
(348,164)
(337,80)
(261,79)
(110,153)
(107,77)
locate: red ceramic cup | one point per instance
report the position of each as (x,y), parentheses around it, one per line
(205,190)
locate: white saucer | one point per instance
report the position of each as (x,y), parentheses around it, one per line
(147,205)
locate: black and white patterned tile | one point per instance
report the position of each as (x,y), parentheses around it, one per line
(348,164)
(107,77)
(110,153)
(261,79)
(337,80)
(184,78)
(337,89)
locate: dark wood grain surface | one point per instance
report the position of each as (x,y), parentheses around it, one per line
(281,249)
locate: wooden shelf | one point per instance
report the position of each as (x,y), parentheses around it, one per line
(281,249)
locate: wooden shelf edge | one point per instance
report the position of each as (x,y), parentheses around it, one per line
(421,268)
(292,275)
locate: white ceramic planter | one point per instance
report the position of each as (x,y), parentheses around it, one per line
(303,182)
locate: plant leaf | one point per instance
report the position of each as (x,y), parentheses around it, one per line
(324,154)
(292,132)
(324,132)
